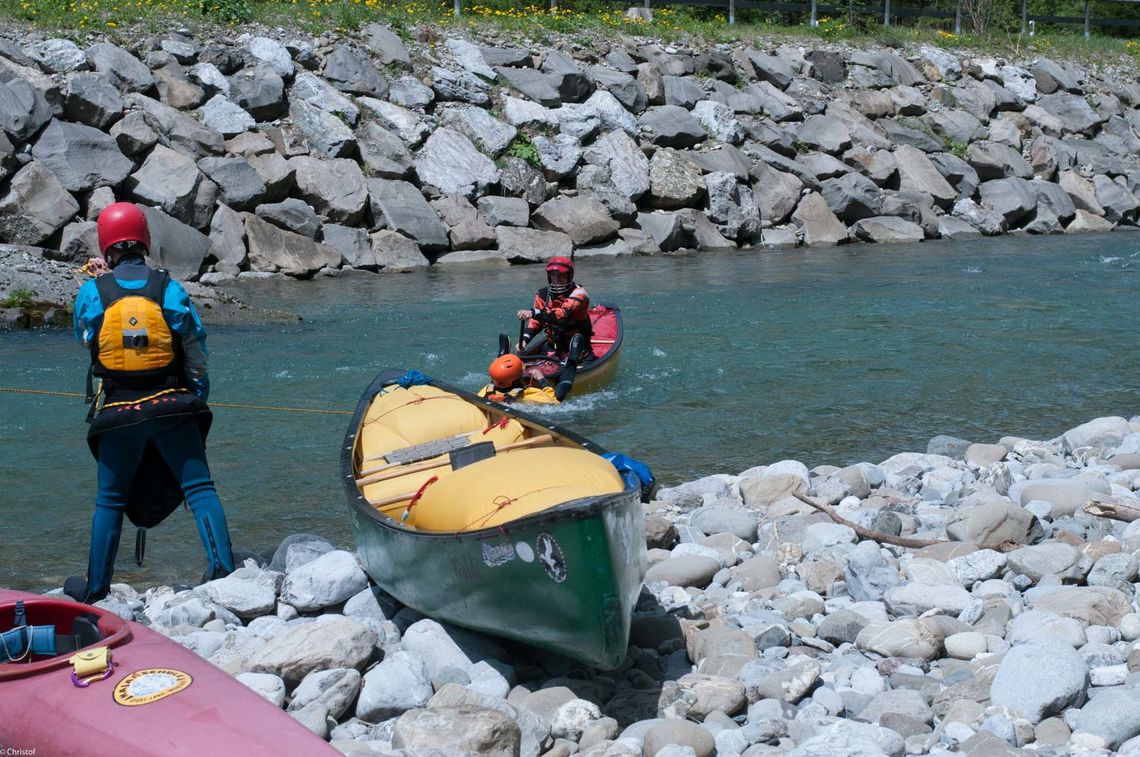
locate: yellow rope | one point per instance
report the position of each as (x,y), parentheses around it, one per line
(14,390)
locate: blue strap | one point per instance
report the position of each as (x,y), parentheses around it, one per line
(412,378)
(21,620)
(19,641)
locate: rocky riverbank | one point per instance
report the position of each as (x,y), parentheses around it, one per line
(967,603)
(277,152)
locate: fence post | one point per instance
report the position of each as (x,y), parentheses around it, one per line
(731,12)
(457,8)
(1024,16)
(553,7)
(1086,19)
(958,18)
(814,22)
(886,12)
(647,5)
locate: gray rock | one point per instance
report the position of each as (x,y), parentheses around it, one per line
(1074,113)
(455,730)
(240,185)
(819,225)
(350,71)
(335,188)
(35,206)
(685,570)
(1120,205)
(171,180)
(1014,199)
(450,162)
(459,86)
(492,135)
(386,44)
(331,641)
(225,117)
(918,174)
(247,592)
(269,686)
(504,211)
(329,580)
(176,246)
(334,690)
(259,90)
(409,92)
(584,219)
(92,100)
(887,229)
(325,133)
(405,210)
(395,253)
(398,684)
(80,156)
(674,181)
(178,130)
(273,54)
(902,638)
(383,152)
(57,56)
(272,248)
(23,109)
(298,216)
(1112,715)
(227,238)
(124,70)
(559,157)
(627,165)
(532,245)
(671,126)
(992,160)
(1035,691)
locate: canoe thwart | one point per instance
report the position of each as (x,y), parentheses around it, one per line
(428,465)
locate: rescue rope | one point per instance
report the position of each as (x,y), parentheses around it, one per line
(242,406)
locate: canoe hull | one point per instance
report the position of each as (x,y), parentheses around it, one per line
(212,714)
(601,371)
(564,580)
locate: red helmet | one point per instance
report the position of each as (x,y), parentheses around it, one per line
(122,222)
(505,371)
(560,265)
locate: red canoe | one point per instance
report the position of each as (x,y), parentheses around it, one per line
(160,698)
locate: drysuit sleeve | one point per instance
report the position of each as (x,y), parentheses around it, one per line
(183,319)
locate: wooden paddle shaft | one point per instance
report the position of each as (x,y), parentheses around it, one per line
(428,465)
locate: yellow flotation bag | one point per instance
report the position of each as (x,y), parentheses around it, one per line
(510,486)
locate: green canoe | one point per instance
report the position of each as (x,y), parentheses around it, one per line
(486,517)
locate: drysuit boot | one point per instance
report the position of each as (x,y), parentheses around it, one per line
(106,528)
(569,369)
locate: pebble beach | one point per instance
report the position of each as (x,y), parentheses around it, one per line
(890,608)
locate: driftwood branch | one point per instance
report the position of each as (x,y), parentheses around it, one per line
(1112,511)
(898,541)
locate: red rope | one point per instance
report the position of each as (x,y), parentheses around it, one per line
(416,497)
(501,423)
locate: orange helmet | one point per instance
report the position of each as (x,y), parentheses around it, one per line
(122,222)
(505,371)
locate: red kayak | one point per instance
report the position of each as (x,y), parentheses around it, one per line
(156,698)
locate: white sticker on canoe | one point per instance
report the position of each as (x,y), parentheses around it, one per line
(495,555)
(525,551)
(550,555)
(150,685)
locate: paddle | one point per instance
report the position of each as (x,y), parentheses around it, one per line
(384,475)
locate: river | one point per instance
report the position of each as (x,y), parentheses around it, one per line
(731,360)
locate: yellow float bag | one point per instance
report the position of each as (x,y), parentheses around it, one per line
(512,485)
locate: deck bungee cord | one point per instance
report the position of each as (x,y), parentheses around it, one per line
(238,405)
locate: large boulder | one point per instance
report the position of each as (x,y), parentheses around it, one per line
(272,248)
(35,206)
(584,219)
(82,157)
(449,161)
(404,209)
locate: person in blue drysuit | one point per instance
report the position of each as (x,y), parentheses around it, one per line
(149,417)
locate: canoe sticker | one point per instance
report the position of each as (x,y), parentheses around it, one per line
(525,552)
(495,555)
(150,685)
(550,555)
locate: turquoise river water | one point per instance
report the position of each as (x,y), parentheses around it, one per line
(730,361)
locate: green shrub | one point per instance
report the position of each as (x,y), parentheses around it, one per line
(232,12)
(17,298)
(521,147)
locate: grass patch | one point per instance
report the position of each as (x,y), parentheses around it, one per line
(17,298)
(522,148)
(581,21)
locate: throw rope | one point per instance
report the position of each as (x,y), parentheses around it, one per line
(416,497)
(241,406)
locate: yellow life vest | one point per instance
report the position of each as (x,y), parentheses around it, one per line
(133,344)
